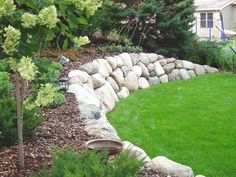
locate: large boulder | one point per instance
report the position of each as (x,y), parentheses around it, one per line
(125,70)
(158,69)
(154,80)
(174,75)
(123,93)
(81,75)
(169,167)
(151,67)
(104,63)
(187,64)
(153,57)
(90,111)
(164,78)
(91,67)
(113,83)
(136,151)
(125,57)
(118,76)
(199,70)
(97,80)
(131,81)
(179,64)
(119,61)
(145,72)
(191,73)
(170,60)
(137,70)
(144,58)
(184,74)
(113,62)
(143,83)
(163,62)
(210,69)
(103,69)
(134,58)
(75,80)
(169,67)
(107,97)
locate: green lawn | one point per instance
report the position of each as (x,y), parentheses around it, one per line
(192,122)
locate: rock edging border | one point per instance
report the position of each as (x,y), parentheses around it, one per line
(98,85)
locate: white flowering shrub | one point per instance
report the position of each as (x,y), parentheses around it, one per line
(7,7)
(78,42)
(27,69)
(45,95)
(48,16)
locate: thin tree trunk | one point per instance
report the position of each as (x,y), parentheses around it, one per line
(20,122)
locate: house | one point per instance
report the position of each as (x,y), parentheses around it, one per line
(214,18)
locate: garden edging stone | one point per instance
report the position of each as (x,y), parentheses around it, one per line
(101,83)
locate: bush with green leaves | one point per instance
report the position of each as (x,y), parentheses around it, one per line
(59,99)
(5,84)
(4,66)
(8,121)
(91,163)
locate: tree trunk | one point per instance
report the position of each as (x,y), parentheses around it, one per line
(20,121)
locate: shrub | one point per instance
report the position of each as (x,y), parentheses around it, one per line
(5,84)
(4,66)
(8,121)
(91,163)
(59,99)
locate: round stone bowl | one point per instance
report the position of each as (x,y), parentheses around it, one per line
(113,147)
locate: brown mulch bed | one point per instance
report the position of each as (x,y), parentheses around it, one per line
(62,126)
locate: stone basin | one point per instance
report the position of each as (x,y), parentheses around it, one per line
(113,147)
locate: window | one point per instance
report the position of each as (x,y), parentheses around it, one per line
(206,20)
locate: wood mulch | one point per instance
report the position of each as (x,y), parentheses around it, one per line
(62,127)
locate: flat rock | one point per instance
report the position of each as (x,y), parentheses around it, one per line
(126,60)
(158,69)
(184,74)
(143,83)
(154,80)
(97,80)
(152,57)
(84,95)
(136,151)
(169,67)
(123,93)
(137,70)
(118,76)
(107,97)
(164,78)
(90,111)
(113,62)
(151,67)
(199,70)
(81,75)
(209,69)
(113,83)
(191,73)
(174,75)
(91,67)
(170,167)
(104,63)
(134,58)
(187,64)
(131,81)
(144,58)
(170,60)
(163,62)
(145,72)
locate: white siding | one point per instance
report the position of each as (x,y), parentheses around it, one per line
(227,13)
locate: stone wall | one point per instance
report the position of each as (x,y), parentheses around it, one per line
(98,85)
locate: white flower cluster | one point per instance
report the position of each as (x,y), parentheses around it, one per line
(90,5)
(7,7)
(47,16)
(12,40)
(78,42)
(27,69)
(45,95)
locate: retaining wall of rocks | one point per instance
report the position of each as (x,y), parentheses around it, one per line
(98,85)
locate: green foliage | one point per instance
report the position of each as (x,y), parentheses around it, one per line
(8,121)
(59,99)
(5,84)
(120,48)
(4,66)
(90,163)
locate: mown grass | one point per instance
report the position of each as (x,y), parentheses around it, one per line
(192,122)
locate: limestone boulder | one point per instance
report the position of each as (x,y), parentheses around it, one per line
(179,64)
(137,70)
(107,97)
(184,74)
(113,62)
(169,67)
(118,76)
(126,58)
(170,60)
(81,75)
(104,63)
(144,58)
(159,69)
(97,80)
(125,70)
(113,83)
(89,83)
(151,67)
(91,67)
(163,62)
(199,70)
(152,74)
(174,75)
(143,83)
(119,61)
(191,73)
(153,57)
(131,81)
(154,80)
(160,57)
(170,167)
(164,78)
(134,58)
(90,111)
(209,69)
(123,93)
(75,80)
(103,69)
(187,64)
(145,72)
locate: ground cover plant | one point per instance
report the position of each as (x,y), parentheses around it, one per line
(191,122)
